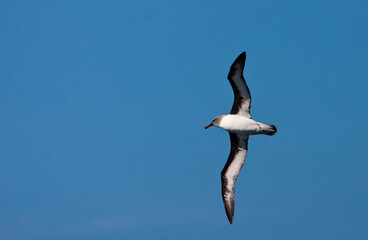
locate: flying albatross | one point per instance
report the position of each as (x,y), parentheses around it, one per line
(240,125)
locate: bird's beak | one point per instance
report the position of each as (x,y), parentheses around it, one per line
(209,125)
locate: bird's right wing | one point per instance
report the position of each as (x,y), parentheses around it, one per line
(239,148)
(242,98)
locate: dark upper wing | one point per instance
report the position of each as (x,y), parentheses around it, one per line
(239,148)
(242,98)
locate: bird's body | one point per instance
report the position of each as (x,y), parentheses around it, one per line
(240,125)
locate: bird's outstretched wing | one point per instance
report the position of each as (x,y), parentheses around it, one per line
(239,148)
(242,98)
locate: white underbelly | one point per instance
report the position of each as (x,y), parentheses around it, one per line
(240,124)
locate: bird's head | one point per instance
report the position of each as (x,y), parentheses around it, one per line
(215,122)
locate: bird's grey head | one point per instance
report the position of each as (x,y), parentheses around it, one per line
(215,122)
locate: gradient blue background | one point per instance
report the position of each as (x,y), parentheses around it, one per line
(103,104)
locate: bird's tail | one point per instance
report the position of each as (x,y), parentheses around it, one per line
(268,129)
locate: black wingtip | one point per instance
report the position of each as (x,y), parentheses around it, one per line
(237,65)
(241,58)
(230,215)
(229,209)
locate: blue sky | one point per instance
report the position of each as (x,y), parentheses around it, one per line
(103,106)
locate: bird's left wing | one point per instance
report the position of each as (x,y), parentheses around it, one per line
(239,148)
(242,98)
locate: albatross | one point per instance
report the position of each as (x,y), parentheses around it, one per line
(240,126)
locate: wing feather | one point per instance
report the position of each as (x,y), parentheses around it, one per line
(242,98)
(239,148)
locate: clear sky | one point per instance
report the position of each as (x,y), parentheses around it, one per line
(103,104)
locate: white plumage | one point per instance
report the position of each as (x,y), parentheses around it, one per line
(240,125)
